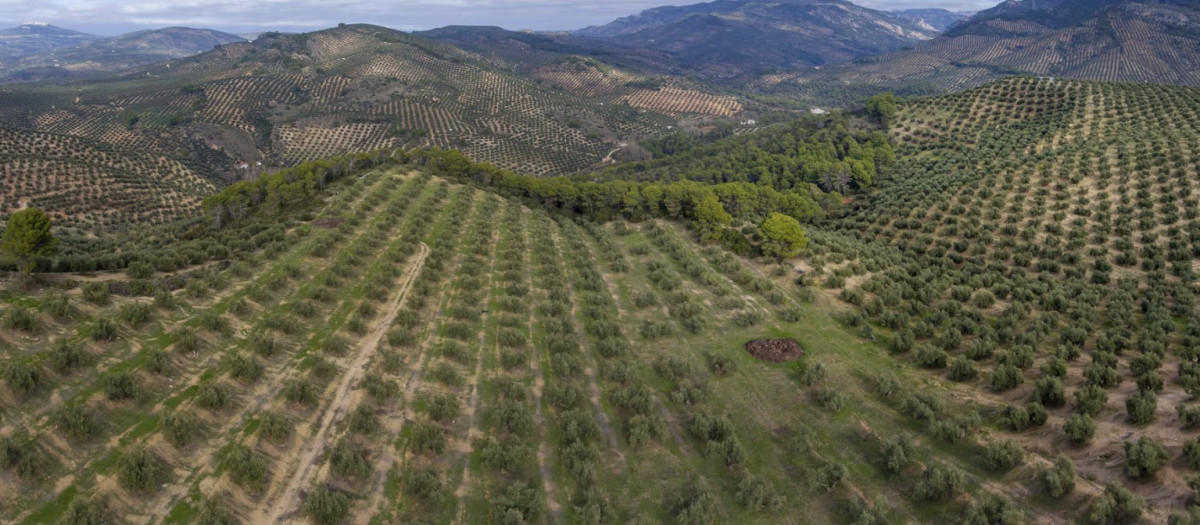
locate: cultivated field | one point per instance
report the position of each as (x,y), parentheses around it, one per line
(1036,245)
(93,189)
(289,99)
(425,351)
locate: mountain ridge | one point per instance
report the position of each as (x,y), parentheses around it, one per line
(731,39)
(1156,41)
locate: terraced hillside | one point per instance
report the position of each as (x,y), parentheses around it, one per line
(1035,250)
(287,99)
(92,189)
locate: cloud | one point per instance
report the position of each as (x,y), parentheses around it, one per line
(243,15)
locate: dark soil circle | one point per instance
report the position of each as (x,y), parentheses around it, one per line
(775,350)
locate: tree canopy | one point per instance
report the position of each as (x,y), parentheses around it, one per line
(27,237)
(882,107)
(828,151)
(783,236)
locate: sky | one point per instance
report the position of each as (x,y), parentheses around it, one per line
(110,17)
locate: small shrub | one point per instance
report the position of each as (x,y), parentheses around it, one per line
(1141,406)
(831,399)
(363,420)
(213,396)
(300,391)
(1144,457)
(275,427)
(87,511)
(446,374)
(519,503)
(139,471)
(1004,455)
(1059,479)
(423,483)
(19,453)
(721,364)
(642,429)
(64,356)
(938,483)
(23,378)
(135,314)
(1080,428)
(1191,453)
(121,386)
(103,329)
(21,318)
(442,408)
(897,455)
(249,469)
(96,293)
(349,460)
(157,361)
(379,387)
(1117,505)
(212,321)
(694,503)
(180,428)
(756,494)
(214,512)
(186,340)
(1005,377)
(1090,400)
(962,369)
(428,438)
(335,345)
(829,475)
(57,304)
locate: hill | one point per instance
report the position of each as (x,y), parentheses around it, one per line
(525,51)
(284,99)
(93,189)
(74,57)
(1115,40)
(1003,330)
(36,37)
(731,39)
(1023,225)
(939,19)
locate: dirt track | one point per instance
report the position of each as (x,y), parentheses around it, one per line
(289,499)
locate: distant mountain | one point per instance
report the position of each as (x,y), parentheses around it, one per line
(37,37)
(103,55)
(1111,40)
(527,51)
(938,19)
(731,39)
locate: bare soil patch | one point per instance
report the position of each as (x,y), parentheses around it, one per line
(775,350)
